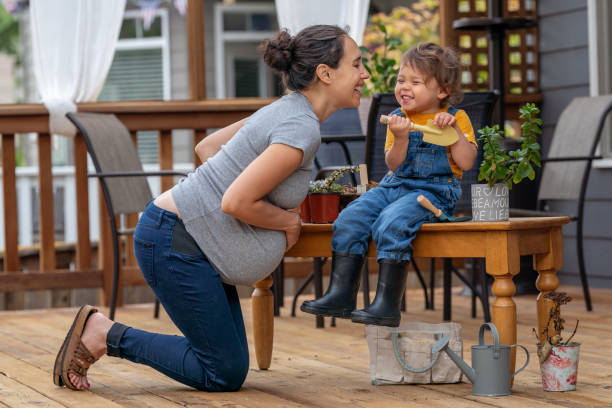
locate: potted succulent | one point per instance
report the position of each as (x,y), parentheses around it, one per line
(322,204)
(500,169)
(558,357)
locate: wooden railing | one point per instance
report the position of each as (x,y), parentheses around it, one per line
(159,116)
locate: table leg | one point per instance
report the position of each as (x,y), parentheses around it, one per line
(503,262)
(262,304)
(504,311)
(547,265)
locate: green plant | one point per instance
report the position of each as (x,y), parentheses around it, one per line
(387,36)
(513,166)
(381,67)
(328,184)
(557,322)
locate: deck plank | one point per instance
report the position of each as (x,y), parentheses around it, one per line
(310,367)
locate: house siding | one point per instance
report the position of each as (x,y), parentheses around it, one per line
(564,73)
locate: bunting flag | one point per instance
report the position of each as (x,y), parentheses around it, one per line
(181,6)
(148,11)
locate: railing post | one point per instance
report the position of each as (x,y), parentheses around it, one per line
(105,253)
(12,301)
(83,249)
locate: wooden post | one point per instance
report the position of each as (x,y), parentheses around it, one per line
(12,301)
(83,249)
(262,302)
(448,14)
(195,41)
(164,155)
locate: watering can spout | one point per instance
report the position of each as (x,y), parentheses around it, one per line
(442,345)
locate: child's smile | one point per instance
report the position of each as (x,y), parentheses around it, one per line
(415,92)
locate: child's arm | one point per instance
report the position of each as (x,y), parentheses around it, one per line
(400,127)
(463,151)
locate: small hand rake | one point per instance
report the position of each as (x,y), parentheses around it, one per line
(438,213)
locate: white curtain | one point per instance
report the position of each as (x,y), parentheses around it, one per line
(298,14)
(73,43)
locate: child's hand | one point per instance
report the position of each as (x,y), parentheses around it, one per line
(399,126)
(444,119)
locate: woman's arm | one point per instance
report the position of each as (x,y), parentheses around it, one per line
(211,144)
(244,197)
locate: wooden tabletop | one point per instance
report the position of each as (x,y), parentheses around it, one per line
(511,225)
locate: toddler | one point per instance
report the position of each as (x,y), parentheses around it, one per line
(428,84)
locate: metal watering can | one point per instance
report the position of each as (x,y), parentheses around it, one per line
(490,375)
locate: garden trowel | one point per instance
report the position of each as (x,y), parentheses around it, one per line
(438,213)
(431,132)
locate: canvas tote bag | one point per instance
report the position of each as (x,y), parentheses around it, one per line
(414,343)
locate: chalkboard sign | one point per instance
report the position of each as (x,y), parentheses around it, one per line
(490,203)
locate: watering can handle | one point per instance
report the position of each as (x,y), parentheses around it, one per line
(403,363)
(526,362)
(493,331)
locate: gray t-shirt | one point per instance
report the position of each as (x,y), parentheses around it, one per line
(239,252)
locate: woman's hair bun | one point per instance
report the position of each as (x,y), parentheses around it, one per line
(278,51)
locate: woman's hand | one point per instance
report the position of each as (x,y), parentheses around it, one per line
(293,230)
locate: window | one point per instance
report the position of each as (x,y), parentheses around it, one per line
(239,68)
(140,70)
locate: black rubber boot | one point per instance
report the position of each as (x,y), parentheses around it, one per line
(385,309)
(341,295)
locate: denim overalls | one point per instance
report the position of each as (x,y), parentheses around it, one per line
(390,213)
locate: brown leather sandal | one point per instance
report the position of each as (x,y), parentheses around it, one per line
(73,356)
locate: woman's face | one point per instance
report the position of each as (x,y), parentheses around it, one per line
(349,76)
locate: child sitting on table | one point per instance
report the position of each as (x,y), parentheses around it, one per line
(428,84)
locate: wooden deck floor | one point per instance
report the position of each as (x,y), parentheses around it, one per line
(310,368)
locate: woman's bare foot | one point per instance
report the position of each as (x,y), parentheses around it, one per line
(94,338)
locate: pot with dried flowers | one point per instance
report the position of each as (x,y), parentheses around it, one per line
(323,201)
(558,357)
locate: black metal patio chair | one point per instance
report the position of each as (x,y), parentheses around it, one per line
(118,168)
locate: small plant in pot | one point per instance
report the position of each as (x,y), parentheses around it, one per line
(500,169)
(558,357)
(323,200)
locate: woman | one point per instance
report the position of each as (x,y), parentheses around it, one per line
(229,222)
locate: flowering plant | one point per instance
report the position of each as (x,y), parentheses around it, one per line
(328,184)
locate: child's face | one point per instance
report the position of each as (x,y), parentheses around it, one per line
(416,93)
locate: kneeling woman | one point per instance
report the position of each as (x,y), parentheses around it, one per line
(229,222)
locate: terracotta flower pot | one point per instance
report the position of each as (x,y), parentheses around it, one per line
(305,210)
(324,207)
(560,369)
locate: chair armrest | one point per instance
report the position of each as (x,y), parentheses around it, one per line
(575,158)
(139,173)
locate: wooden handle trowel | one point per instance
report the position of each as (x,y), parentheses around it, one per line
(438,212)
(431,132)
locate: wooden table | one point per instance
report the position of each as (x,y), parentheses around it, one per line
(500,243)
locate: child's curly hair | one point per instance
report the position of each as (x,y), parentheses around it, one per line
(441,63)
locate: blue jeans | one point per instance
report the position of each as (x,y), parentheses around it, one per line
(213,355)
(391,215)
